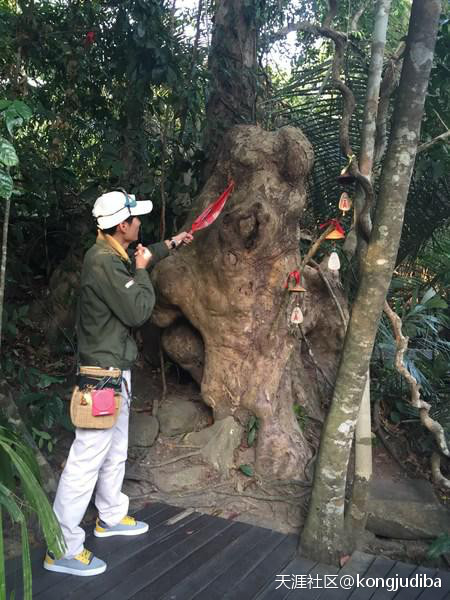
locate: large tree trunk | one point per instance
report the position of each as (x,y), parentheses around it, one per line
(232,66)
(229,286)
(323,537)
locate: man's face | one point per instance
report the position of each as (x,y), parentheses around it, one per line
(131,230)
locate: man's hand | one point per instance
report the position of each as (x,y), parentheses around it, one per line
(182,238)
(142,256)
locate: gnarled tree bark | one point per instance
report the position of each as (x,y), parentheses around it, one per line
(229,287)
(232,65)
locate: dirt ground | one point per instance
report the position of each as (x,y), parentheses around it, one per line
(239,497)
(276,505)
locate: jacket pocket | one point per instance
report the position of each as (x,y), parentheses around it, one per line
(129,348)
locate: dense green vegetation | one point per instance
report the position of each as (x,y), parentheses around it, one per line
(95,95)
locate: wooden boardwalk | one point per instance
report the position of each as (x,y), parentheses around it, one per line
(195,556)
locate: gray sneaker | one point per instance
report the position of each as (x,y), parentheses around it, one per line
(83,564)
(127,526)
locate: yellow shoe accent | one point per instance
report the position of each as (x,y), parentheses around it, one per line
(84,556)
(49,560)
(98,527)
(128,521)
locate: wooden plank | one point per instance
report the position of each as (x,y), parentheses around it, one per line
(37,554)
(178,573)
(280,588)
(334,590)
(264,571)
(312,585)
(412,593)
(115,554)
(434,593)
(137,573)
(151,513)
(48,584)
(379,568)
(216,565)
(217,589)
(399,570)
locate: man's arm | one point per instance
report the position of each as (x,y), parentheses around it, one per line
(161,249)
(131,298)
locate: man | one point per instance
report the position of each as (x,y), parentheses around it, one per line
(116,295)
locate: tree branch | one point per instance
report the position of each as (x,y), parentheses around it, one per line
(364,198)
(313,359)
(423,407)
(388,84)
(357,15)
(439,138)
(315,247)
(332,12)
(344,319)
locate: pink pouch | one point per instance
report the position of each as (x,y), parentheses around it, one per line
(103,402)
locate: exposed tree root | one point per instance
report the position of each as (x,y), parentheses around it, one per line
(266,498)
(416,401)
(168,462)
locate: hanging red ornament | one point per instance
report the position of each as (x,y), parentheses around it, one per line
(345,203)
(89,39)
(296,315)
(294,276)
(337,233)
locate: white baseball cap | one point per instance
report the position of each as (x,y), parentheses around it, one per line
(114,207)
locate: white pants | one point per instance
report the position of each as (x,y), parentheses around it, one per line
(97,456)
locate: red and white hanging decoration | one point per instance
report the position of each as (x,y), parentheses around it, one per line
(345,203)
(296,315)
(293,285)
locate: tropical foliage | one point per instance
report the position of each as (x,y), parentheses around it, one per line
(95,95)
(419,295)
(21,496)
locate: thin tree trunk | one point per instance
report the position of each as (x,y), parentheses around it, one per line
(3,267)
(357,515)
(323,537)
(368,133)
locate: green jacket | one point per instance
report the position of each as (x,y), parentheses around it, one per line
(114,298)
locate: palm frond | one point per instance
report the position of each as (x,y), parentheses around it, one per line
(33,494)
(307,101)
(11,504)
